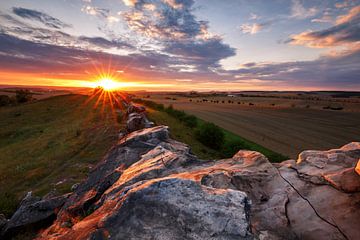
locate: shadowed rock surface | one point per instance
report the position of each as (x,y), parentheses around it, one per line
(150,186)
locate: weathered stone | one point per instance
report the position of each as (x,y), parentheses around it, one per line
(3,221)
(135,122)
(33,211)
(135,109)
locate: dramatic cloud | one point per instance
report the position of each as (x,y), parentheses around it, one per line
(22,30)
(346,31)
(40,17)
(300,12)
(173,26)
(163,40)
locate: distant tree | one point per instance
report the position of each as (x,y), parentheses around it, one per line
(210,135)
(23,96)
(5,100)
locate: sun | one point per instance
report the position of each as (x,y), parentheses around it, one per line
(107,84)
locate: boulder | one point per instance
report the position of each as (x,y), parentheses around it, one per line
(33,211)
(134,109)
(135,122)
(3,221)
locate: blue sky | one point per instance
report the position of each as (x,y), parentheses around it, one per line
(183,44)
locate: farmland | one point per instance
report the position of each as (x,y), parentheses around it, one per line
(284,124)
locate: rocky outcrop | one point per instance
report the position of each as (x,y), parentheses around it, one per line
(136,119)
(33,212)
(150,186)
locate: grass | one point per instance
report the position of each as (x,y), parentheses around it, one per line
(179,131)
(49,145)
(182,133)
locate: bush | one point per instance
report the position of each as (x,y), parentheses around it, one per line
(210,135)
(23,96)
(190,121)
(5,100)
(233,146)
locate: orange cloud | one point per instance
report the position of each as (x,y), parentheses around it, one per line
(344,33)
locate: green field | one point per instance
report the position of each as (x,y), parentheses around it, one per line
(50,145)
(185,134)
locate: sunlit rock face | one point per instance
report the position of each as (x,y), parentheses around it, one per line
(145,189)
(150,186)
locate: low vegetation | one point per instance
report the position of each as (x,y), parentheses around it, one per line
(51,144)
(207,140)
(21,96)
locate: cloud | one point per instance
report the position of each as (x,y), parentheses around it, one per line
(203,53)
(331,71)
(105,43)
(22,30)
(300,12)
(95,11)
(130,3)
(251,28)
(353,15)
(253,16)
(346,32)
(172,25)
(40,17)
(327,17)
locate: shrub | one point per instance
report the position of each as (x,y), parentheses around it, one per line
(190,121)
(23,96)
(5,100)
(233,146)
(210,135)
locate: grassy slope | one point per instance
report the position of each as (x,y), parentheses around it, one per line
(50,144)
(187,135)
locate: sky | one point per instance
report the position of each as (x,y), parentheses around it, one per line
(181,45)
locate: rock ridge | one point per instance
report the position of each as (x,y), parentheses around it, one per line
(150,186)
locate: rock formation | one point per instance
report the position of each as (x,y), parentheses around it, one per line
(150,186)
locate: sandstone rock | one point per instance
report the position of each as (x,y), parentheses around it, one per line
(327,182)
